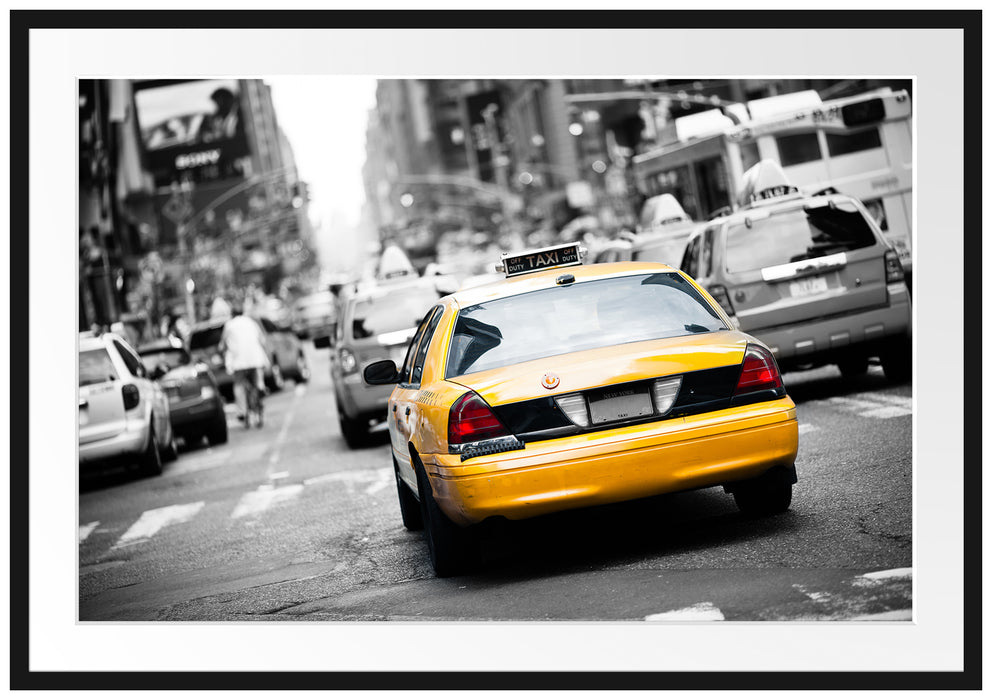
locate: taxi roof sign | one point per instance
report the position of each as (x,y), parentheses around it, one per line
(765,181)
(538,259)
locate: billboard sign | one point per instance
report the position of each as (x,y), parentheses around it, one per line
(191,128)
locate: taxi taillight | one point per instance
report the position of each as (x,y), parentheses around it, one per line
(131,396)
(471,419)
(893,268)
(759,371)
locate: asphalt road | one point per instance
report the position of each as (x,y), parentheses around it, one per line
(287,523)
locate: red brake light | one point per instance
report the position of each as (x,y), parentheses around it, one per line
(470,419)
(759,371)
(131,396)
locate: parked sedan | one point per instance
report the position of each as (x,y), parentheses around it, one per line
(314,317)
(286,353)
(195,403)
(123,414)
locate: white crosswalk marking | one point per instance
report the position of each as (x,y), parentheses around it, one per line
(151,521)
(86,530)
(806,428)
(379,478)
(694,613)
(263,498)
(869,409)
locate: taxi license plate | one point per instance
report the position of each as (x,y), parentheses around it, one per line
(620,404)
(808,286)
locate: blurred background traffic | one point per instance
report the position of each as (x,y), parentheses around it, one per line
(199,194)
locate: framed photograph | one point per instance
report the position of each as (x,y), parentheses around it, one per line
(495,350)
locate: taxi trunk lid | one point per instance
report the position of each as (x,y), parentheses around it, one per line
(607,366)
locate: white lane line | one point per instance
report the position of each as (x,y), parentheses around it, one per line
(263,498)
(815,596)
(211,459)
(151,521)
(352,477)
(893,615)
(869,409)
(901,401)
(698,612)
(86,530)
(807,428)
(385,479)
(889,574)
(284,431)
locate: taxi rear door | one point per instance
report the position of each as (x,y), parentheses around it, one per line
(403,415)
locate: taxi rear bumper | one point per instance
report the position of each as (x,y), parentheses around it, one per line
(618,465)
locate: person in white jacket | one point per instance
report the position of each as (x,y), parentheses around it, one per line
(245,355)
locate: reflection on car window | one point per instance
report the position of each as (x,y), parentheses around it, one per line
(171,358)
(796,235)
(95,367)
(205,338)
(398,310)
(582,316)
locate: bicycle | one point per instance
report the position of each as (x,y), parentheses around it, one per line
(254,406)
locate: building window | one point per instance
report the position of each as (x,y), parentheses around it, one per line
(798,148)
(841,144)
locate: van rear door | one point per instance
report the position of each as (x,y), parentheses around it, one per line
(803,262)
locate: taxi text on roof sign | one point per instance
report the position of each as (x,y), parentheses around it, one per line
(540,259)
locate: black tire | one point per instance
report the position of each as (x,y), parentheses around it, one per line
(409,506)
(897,361)
(150,463)
(217,435)
(354,431)
(302,372)
(451,548)
(171,452)
(853,367)
(275,381)
(763,496)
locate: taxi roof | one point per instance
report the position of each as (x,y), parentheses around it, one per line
(546,279)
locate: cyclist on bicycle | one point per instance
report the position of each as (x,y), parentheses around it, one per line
(245,357)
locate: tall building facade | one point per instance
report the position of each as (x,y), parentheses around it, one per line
(194,191)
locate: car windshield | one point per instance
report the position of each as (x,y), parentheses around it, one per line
(205,338)
(580,316)
(396,310)
(95,367)
(794,236)
(170,357)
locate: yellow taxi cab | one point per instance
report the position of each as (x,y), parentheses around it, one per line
(567,385)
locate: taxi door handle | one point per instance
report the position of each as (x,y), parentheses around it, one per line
(83,403)
(394,408)
(407,410)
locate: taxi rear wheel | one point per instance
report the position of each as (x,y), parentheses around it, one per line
(450,547)
(853,367)
(409,506)
(897,361)
(355,431)
(151,459)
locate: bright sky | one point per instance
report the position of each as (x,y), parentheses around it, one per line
(325,118)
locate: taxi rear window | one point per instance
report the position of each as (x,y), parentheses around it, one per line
(796,235)
(580,316)
(95,367)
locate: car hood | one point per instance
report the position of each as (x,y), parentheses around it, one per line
(587,369)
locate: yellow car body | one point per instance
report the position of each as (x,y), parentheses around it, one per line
(590,466)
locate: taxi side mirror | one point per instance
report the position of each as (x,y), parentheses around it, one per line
(381,372)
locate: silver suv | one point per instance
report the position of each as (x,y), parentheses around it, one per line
(811,276)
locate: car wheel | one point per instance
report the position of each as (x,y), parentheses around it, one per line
(217,435)
(897,361)
(354,431)
(853,367)
(150,463)
(275,380)
(171,452)
(451,548)
(409,506)
(766,495)
(302,369)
